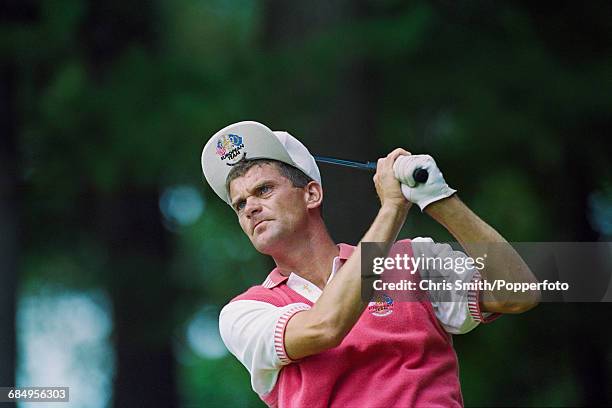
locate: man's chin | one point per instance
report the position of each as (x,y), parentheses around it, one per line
(265,243)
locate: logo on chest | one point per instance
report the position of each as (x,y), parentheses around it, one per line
(381,305)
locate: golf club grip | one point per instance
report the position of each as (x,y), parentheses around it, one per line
(420,175)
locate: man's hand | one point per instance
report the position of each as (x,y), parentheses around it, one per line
(387,185)
(434,189)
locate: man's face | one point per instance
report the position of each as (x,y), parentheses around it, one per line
(271,211)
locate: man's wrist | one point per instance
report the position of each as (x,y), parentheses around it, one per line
(443,208)
(392,207)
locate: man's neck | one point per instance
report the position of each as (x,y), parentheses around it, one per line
(311,257)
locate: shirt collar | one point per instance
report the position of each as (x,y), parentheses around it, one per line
(345,251)
(275,277)
(308,289)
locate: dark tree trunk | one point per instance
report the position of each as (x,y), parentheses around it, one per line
(346,122)
(10,199)
(348,131)
(142,297)
(14,12)
(131,228)
(588,348)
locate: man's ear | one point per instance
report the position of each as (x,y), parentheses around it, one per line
(313,193)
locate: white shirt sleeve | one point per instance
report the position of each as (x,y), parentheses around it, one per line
(454,316)
(253,331)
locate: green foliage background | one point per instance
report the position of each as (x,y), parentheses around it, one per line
(513,99)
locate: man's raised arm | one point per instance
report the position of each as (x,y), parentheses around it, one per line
(477,237)
(503,262)
(326,324)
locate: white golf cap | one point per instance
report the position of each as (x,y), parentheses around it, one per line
(252,140)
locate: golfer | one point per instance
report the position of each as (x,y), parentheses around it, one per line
(305,334)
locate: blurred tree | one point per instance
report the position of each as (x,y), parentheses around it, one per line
(85,201)
(11,188)
(10,205)
(130,227)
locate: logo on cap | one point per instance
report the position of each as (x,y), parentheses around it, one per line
(381,305)
(229,146)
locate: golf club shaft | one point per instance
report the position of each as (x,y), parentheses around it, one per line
(419,175)
(369,166)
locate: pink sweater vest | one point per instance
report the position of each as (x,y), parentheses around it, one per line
(402,358)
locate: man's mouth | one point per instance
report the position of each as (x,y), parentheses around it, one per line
(258,223)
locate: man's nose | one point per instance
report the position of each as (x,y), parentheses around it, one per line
(253,206)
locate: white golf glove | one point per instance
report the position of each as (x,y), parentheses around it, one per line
(421,194)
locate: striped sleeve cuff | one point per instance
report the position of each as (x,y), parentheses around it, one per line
(279,331)
(474,303)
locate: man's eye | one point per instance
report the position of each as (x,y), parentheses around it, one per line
(265,189)
(240,205)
